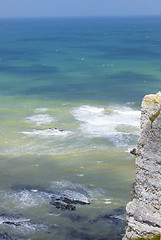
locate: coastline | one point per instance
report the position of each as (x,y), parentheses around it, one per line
(144,211)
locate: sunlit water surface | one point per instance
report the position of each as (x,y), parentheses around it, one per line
(69,115)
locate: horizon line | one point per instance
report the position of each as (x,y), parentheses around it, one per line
(87,16)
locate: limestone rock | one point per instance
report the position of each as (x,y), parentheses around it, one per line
(144,212)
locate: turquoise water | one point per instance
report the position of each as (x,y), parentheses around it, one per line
(69,114)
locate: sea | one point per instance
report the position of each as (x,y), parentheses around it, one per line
(70,101)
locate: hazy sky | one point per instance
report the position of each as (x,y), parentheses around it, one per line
(54,8)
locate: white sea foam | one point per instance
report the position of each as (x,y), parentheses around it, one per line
(80,174)
(76,196)
(20,225)
(40,110)
(77,191)
(107,201)
(34,190)
(40,119)
(21,200)
(4,218)
(47,133)
(117,122)
(128,117)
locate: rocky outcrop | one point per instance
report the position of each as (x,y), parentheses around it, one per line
(68,201)
(144,211)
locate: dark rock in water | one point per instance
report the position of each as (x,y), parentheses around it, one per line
(70,200)
(110,219)
(12,223)
(133,151)
(19,227)
(115,217)
(115,222)
(60,130)
(119,211)
(15,220)
(62,206)
(65,202)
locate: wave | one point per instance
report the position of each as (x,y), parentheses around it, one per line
(78,191)
(21,200)
(41,110)
(115,123)
(18,226)
(40,119)
(48,132)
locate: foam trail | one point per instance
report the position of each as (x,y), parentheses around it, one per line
(48,133)
(40,119)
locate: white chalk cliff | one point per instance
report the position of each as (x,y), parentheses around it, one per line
(144,211)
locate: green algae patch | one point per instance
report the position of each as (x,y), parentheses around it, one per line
(156,237)
(153,117)
(152,99)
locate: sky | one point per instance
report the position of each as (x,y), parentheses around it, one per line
(70,8)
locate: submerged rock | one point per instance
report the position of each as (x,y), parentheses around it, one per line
(77,218)
(68,202)
(6,236)
(115,217)
(144,211)
(65,200)
(63,206)
(16,220)
(60,130)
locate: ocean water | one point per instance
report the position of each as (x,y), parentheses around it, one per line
(70,97)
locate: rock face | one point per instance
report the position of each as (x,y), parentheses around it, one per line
(144,212)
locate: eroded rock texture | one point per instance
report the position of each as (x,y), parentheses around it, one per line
(144,212)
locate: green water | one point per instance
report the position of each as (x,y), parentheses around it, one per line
(69,115)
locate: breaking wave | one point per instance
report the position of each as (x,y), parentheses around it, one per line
(115,123)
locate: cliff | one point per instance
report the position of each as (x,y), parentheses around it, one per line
(144,211)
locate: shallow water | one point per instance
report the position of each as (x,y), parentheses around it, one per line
(69,115)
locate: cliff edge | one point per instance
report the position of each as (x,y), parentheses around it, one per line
(144,211)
